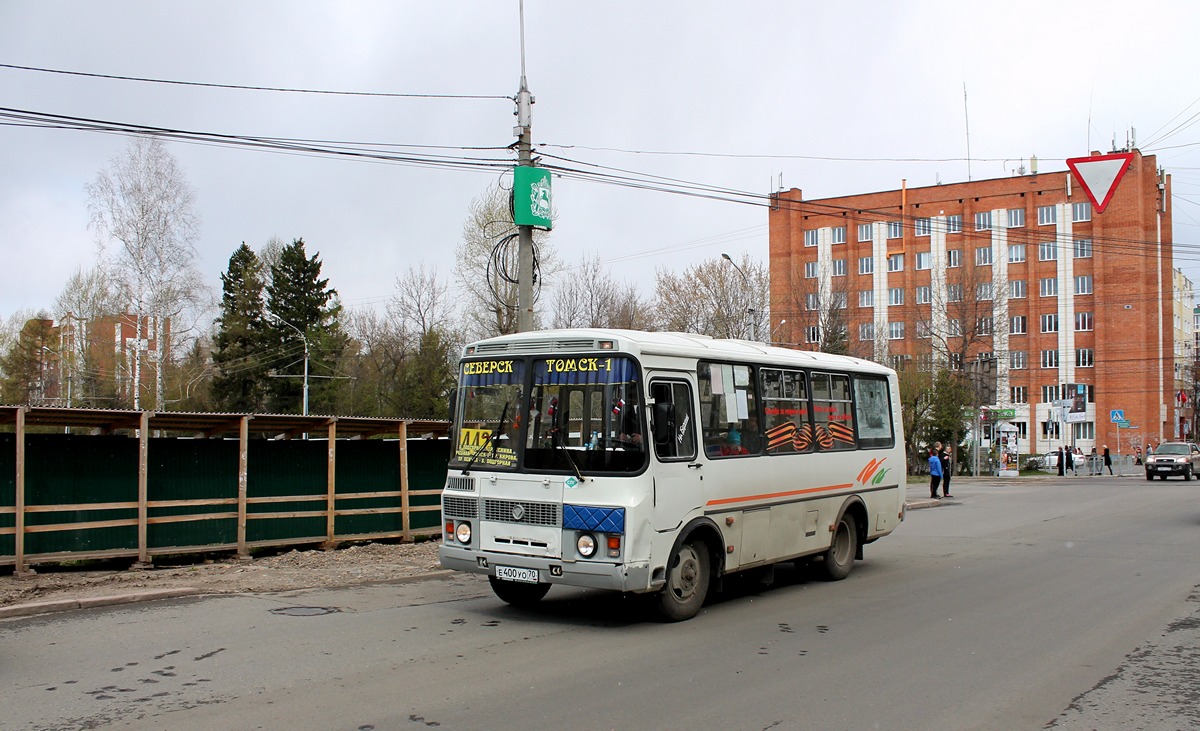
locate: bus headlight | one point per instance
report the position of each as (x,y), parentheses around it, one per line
(463,533)
(586,545)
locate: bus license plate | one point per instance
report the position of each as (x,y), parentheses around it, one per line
(512,573)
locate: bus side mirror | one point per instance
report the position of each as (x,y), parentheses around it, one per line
(452,403)
(664,422)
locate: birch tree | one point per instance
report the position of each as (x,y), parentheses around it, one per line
(144,206)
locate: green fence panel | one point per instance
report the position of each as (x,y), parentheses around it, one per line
(8,491)
(427,460)
(365,466)
(286,468)
(70,469)
(192,469)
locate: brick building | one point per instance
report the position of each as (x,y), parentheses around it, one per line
(1014,275)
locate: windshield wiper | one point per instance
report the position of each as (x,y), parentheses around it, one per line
(491,440)
(570,458)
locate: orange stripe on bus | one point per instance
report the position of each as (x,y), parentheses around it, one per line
(771,495)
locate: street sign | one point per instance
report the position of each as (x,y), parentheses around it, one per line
(1002,413)
(1122,424)
(531,197)
(1116,415)
(1099,175)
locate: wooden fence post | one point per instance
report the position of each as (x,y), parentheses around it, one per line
(405,513)
(243,485)
(143,488)
(331,490)
(19,537)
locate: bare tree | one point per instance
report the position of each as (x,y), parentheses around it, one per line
(588,296)
(86,299)
(486,266)
(716,297)
(145,205)
(421,302)
(821,306)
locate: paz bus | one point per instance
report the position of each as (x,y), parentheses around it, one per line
(654,462)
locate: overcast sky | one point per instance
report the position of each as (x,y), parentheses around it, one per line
(812,92)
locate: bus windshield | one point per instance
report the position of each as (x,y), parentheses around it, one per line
(585,413)
(487,422)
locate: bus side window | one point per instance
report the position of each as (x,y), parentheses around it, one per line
(674,424)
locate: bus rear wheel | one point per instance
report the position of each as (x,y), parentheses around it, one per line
(516,594)
(687,583)
(839,559)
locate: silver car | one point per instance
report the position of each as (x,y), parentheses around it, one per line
(1173,458)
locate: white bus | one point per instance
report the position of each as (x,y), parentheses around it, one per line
(661,462)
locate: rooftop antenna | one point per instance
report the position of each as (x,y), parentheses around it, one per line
(967,119)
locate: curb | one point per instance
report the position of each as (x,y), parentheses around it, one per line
(30,609)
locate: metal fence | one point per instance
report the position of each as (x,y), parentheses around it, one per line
(117,491)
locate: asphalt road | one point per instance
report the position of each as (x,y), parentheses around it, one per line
(1021,604)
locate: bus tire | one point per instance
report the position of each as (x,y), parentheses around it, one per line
(839,559)
(687,583)
(518,595)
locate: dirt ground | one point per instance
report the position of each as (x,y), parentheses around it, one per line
(225,574)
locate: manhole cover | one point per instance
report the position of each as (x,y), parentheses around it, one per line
(304,611)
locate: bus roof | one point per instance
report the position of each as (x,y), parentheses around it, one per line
(639,342)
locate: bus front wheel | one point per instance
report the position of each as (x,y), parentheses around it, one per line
(516,594)
(839,559)
(687,583)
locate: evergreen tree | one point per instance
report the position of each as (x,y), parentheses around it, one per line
(240,345)
(300,303)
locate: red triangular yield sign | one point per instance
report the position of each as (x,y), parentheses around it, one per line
(1099,175)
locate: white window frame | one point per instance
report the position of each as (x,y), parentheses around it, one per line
(811,269)
(1049,322)
(1016,218)
(954,293)
(811,237)
(1081,212)
(954,223)
(953,258)
(812,334)
(1018,360)
(983,221)
(1049,358)
(812,301)
(924,260)
(1084,322)
(1083,249)
(1085,358)
(839,267)
(922,227)
(1047,215)
(895,229)
(839,234)
(866,298)
(1048,251)
(1017,289)
(985,326)
(1016,253)
(1048,287)
(895,296)
(1018,325)
(866,232)
(896,330)
(984,291)
(1083,284)
(924,294)
(866,265)
(1018,394)
(983,256)
(866,331)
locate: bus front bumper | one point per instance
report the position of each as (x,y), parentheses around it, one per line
(633,577)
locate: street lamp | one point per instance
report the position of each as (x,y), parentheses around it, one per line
(746,280)
(776,330)
(299,332)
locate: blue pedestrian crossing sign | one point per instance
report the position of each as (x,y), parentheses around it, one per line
(1116,415)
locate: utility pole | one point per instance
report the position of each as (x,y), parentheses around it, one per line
(524,159)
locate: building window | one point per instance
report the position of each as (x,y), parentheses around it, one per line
(1018,325)
(983,256)
(1016,217)
(866,298)
(812,334)
(1081,212)
(1047,251)
(866,331)
(954,224)
(1018,394)
(866,265)
(896,263)
(983,221)
(924,260)
(985,326)
(895,229)
(838,301)
(953,258)
(1083,248)
(983,291)
(896,330)
(921,227)
(956,361)
(924,295)
(1016,289)
(924,329)
(811,237)
(1083,284)
(1017,360)
(839,267)
(1016,253)
(1048,286)
(1047,215)
(1085,357)
(1083,321)
(1050,323)
(1050,430)
(954,293)
(1049,393)
(896,296)
(810,270)
(839,234)
(864,232)
(812,301)
(954,330)
(1084,430)
(1049,358)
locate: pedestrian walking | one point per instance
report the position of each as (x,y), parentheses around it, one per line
(1137,455)
(1076,460)
(935,471)
(947,470)
(1070,456)
(1062,463)
(1107,460)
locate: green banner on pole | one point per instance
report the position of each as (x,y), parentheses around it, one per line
(531,197)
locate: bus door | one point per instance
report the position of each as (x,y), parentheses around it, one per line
(677,467)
